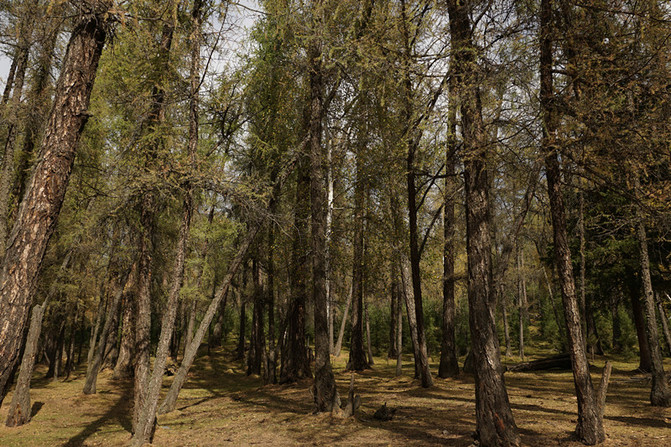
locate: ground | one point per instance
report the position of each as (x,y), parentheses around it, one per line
(221,406)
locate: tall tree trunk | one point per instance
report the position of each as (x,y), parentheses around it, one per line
(660,395)
(590,422)
(392,315)
(257,336)
(399,324)
(521,301)
(494,419)
(412,316)
(324,387)
(39,211)
(144,431)
(19,409)
(412,143)
(295,364)
(271,366)
(449,367)
(357,354)
(329,227)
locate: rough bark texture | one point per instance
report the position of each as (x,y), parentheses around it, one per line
(19,409)
(39,211)
(590,424)
(449,367)
(660,395)
(494,418)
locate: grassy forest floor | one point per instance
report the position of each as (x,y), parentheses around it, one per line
(221,406)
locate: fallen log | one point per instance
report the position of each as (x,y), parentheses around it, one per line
(561,361)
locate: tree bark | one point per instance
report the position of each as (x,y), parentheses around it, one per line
(19,409)
(644,352)
(123,367)
(590,424)
(660,394)
(665,323)
(324,387)
(357,354)
(494,419)
(147,422)
(295,364)
(39,211)
(343,322)
(449,366)
(412,146)
(399,325)
(257,336)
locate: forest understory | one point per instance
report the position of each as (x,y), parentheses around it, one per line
(220,405)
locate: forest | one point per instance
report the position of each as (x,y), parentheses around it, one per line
(317,222)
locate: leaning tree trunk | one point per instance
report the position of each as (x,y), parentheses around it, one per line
(494,419)
(191,349)
(343,323)
(148,210)
(19,409)
(39,211)
(660,395)
(590,422)
(147,420)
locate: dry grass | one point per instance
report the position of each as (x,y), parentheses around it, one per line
(221,406)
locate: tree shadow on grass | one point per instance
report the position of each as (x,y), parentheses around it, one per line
(119,412)
(37,406)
